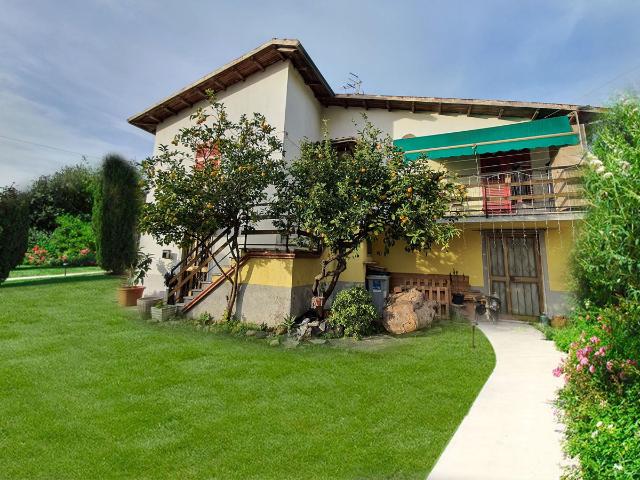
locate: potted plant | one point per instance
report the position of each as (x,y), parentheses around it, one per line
(161,312)
(131,291)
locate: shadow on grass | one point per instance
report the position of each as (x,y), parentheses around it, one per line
(89,277)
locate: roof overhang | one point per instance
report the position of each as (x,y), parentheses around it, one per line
(278,50)
(237,71)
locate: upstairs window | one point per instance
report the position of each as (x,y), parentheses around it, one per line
(207,153)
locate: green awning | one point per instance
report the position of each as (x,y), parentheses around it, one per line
(548,132)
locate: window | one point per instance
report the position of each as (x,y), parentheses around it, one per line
(207,153)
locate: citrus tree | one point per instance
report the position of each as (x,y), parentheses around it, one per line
(212,177)
(343,199)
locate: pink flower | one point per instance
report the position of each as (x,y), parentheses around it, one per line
(601,352)
(592,369)
(584,361)
(557,371)
(578,367)
(609,365)
(594,339)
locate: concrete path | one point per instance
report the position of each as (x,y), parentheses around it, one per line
(510,431)
(58,275)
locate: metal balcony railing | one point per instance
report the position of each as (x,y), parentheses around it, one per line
(522,192)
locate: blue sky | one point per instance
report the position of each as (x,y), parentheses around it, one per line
(71,72)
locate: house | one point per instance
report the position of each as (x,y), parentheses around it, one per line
(520,162)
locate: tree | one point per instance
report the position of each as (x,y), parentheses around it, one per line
(14,229)
(606,253)
(217,175)
(116,209)
(67,191)
(345,199)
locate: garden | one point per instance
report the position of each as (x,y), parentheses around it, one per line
(91,391)
(600,402)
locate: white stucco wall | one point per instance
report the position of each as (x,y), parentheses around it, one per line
(398,123)
(303,114)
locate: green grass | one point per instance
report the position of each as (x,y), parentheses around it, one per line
(87,390)
(35,271)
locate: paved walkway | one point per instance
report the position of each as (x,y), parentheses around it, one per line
(58,275)
(510,431)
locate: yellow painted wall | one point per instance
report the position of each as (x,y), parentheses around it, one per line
(558,243)
(275,272)
(464,255)
(290,272)
(304,270)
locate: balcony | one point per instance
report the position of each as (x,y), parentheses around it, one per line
(539,193)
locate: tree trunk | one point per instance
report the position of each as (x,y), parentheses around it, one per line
(235,256)
(341,266)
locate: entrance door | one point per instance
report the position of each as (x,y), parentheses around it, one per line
(515,272)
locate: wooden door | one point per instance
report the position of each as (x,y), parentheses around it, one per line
(515,272)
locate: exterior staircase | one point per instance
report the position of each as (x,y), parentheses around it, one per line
(197,275)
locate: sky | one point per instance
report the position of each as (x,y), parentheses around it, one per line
(72,72)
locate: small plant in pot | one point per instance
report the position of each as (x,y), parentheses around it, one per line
(131,291)
(161,312)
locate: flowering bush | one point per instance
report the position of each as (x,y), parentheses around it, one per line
(72,242)
(37,255)
(600,402)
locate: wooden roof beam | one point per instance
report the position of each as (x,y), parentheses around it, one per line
(256,62)
(237,72)
(440,108)
(364,104)
(201,92)
(413,107)
(469,110)
(388,105)
(219,84)
(187,104)
(169,110)
(500,112)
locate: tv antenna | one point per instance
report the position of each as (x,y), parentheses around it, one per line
(353,85)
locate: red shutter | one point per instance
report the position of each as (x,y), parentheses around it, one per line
(206,153)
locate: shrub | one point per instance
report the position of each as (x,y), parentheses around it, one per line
(69,190)
(603,432)
(599,403)
(72,242)
(72,237)
(606,253)
(14,229)
(353,309)
(115,214)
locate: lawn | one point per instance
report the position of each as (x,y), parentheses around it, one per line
(36,271)
(87,390)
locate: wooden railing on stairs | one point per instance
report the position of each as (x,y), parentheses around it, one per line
(188,273)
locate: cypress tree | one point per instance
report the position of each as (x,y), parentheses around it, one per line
(14,229)
(116,206)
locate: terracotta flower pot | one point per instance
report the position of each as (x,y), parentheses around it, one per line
(128,296)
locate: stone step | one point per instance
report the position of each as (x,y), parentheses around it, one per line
(196,291)
(187,298)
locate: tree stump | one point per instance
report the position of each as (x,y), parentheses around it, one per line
(408,312)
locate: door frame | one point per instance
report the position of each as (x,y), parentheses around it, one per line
(507,279)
